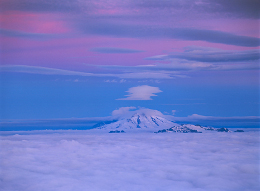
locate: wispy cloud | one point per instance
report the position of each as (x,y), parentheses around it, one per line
(54,124)
(190,34)
(210,55)
(45,70)
(122,111)
(196,117)
(113,50)
(220,8)
(180,65)
(20,34)
(42,5)
(115,81)
(192,58)
(149,75)
(236,121)
(143,92)
(205,58)
(122,75)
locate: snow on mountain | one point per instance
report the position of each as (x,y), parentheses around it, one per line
(140,120)
(147,119)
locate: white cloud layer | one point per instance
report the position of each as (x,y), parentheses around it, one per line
(196,117)
(86,160)
(143,92)
(54,71)
(122,111)
(126,112)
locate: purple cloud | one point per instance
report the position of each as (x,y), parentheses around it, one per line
(146,32)
(113,50)
(206,54)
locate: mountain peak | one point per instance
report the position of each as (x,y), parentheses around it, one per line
(140,119)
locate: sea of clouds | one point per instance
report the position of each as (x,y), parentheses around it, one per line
(70,160)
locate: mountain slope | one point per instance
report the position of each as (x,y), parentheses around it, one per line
(140,120)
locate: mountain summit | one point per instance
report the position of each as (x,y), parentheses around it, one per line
(140,120)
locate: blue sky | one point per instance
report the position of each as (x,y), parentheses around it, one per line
(36,97)
(32,96)
(84,59)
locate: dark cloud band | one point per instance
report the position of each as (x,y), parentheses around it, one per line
(204,54)
(191,34)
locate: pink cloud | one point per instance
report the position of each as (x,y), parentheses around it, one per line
(33,22)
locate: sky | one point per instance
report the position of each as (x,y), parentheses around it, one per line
(63,59)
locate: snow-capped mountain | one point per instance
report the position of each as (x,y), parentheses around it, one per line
(149,120)
(146,119)
(140,120)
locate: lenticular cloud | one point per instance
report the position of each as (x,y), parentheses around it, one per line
(143,92)
(88,160)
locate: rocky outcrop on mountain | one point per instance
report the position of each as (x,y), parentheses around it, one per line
(116,131)
(179,130)
(223,130)
(239,131)
(187,128)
